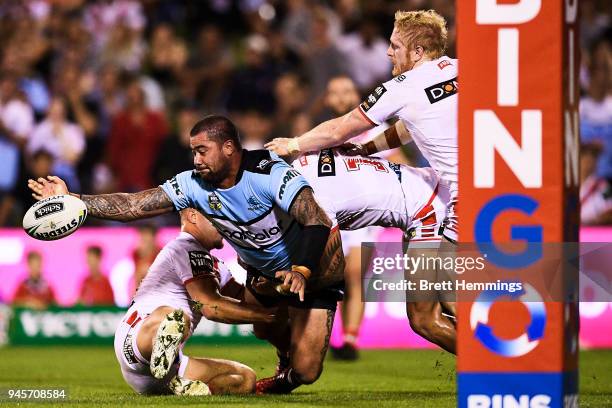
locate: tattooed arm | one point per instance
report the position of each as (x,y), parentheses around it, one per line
(315,229)
(128,206)
(321,249)
(331,265)
(307,211)
(117,206)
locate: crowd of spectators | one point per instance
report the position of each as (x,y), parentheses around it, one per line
(104,92)
(36,292)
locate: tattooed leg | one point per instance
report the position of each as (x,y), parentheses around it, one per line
(310,333)
(128,206)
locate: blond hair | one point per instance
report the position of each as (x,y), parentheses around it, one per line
(425,28)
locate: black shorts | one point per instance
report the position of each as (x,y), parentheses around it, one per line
(327,298)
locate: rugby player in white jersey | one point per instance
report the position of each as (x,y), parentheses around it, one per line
(184,283)
(423,95)
(359,192)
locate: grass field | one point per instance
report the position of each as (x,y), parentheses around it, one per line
(389,378)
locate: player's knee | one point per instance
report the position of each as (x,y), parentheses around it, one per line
(427,325)
(249,378)
(150,325)
(307,372)
(420,322)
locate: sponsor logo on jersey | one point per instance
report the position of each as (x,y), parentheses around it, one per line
(327,163)
(442,90)
(48,209)
(355,163)
(443,64)
(265,163)
(201,263)
(290,175)
(263,233)
(243,236)
(373,97)
(175,186)
(214,202)
(241,233)
(254,204)
(400,78)
(128,350)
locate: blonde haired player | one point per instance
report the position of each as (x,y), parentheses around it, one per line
(423,95)
(184,284)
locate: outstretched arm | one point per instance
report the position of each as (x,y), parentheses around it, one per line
(116,206)
(328,134)
(395,136)
(223,309)
(128,206)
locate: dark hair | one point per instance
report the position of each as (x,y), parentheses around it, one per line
(96,250)
(218,128)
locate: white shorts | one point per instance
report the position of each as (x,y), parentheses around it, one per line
(134,367)
(427,224)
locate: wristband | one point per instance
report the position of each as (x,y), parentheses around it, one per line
(302,270)
(293,146)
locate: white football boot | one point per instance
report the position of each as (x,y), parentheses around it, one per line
(183,386)
(166,344)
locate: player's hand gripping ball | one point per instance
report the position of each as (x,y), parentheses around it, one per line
(54,217)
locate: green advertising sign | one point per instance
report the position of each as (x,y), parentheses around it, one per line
(96,326)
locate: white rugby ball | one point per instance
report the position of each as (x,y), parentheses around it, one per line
(54,217)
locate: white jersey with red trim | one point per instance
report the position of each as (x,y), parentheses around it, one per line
(358,192)
(179,262)
(425,99)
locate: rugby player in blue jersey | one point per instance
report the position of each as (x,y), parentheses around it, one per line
(266,210)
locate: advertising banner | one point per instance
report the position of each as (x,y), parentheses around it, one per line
(97,325)
(384,324)
(518,183)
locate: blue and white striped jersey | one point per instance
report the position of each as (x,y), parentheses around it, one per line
(253,215)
